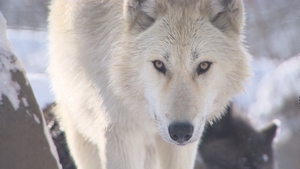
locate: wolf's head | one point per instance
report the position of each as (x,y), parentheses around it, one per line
(184,60)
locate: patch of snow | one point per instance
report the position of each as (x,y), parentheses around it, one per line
(4,43)
(29,114)
(8,87)
(37,120)
(51,144)
(8,63)
(24,100)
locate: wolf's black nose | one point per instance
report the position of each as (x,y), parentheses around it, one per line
(181,132)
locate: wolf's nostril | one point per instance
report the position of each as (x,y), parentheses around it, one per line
(181,132)
(187,137)
(174,137)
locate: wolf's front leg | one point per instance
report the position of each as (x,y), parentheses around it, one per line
(176,157)
(124,149)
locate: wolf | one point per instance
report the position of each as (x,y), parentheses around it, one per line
(233,143)
(136,80)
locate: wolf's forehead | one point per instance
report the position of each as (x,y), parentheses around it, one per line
(183,29)
(187,39)
(182,4)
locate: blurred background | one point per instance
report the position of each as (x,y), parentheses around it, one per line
(273,38)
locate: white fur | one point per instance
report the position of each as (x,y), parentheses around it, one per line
(113,104)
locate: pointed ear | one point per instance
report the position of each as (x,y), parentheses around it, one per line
(140,14)
(269,132)
(226,15)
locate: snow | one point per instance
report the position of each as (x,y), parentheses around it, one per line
(37,120)
(31,48)
(25,102)
(51,144)
(8,87)
(4,43)
(29,114)
(8,63)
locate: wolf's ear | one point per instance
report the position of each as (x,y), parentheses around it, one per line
(269,132)
(140,14)
(226,15)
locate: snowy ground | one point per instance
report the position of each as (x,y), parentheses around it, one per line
(273,91)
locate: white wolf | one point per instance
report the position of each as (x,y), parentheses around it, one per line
(135,80)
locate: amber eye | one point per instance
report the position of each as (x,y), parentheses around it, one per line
(203,67)
(159,66)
